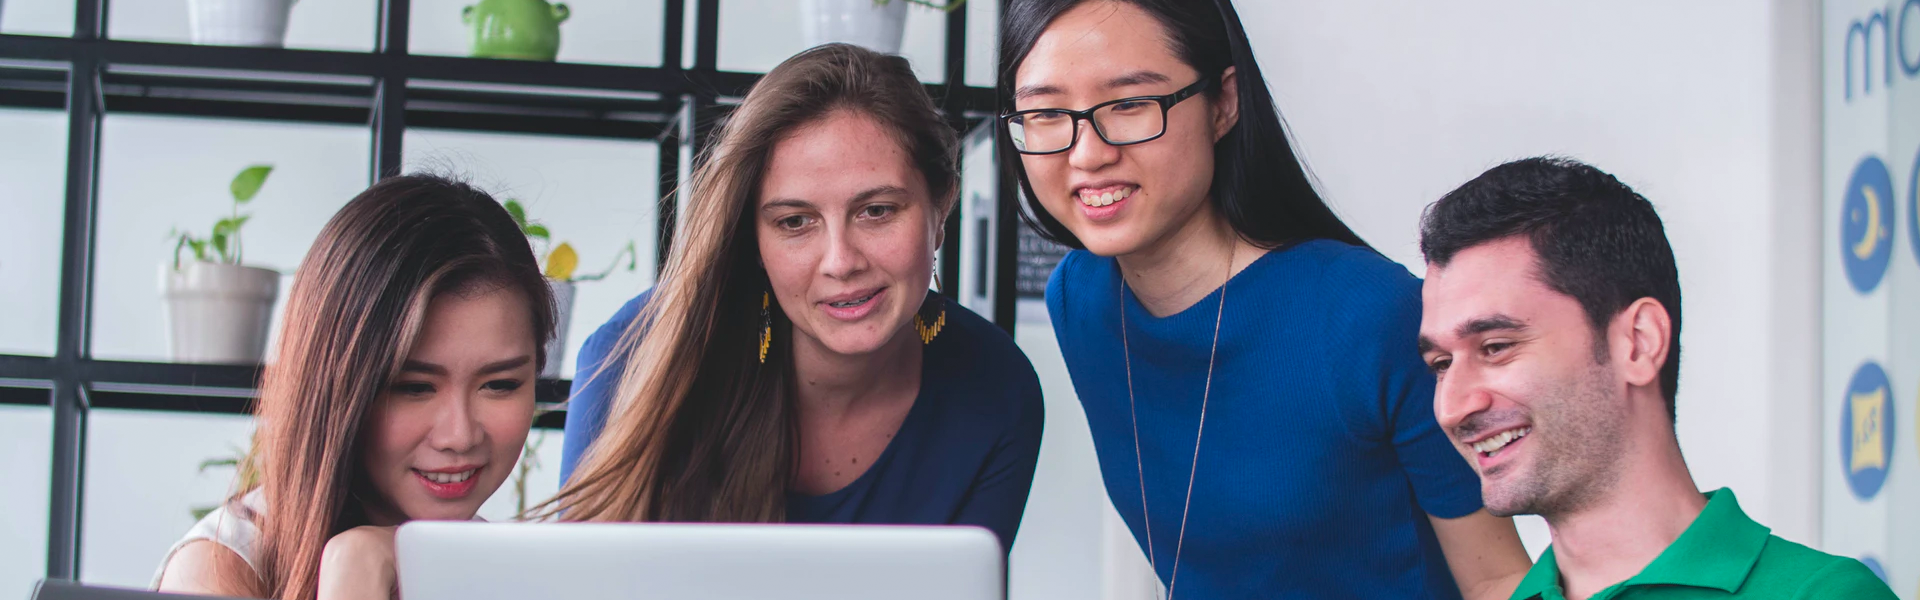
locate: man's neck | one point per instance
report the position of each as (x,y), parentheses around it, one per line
(1617,535)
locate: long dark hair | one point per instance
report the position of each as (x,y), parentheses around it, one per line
(1259,184)
(358,302)
(701,429)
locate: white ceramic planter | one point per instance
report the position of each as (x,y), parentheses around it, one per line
(239,22)
(562,314)
(858,22)
(218,313)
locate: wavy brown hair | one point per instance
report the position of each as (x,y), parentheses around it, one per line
(357,305)
(700,429)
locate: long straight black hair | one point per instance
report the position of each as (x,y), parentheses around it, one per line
(1258,182)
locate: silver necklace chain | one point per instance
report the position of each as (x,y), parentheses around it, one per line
(1146,517)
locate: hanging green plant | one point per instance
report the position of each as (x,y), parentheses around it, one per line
(561,260)
(222,245)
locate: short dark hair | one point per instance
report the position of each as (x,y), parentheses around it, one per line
(1259,182)
(1598,240)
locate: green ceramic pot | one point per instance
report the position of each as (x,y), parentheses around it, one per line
(520,29)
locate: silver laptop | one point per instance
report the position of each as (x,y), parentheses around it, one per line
(443,560)
(56,589)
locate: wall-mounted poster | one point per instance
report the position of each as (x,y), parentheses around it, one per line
(1870,500)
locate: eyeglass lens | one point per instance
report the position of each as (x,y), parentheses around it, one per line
(1118,123)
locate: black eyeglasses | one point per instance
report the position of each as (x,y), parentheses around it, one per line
(1118,122)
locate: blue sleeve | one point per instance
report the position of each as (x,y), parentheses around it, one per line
(999,495)
(594,384)
(1383,375)
(1056,294)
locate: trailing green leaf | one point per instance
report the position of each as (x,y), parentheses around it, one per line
(248,182)
(537,231)
(223,243)
(518,213)
(633,262)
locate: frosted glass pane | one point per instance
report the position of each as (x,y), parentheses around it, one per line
(983,43)
(37,17)
(755,35)
(143,481)
(596,195)
(33,168)
(162,173)
(616,33)
(26,455)
(313,24)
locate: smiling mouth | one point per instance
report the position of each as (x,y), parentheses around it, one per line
(855,302)
(1105,198)
(1492,445)
(447,478)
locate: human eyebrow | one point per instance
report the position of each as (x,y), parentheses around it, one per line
(1029,91)
(1137,78)
(1496,322)
(505,365)
(423,368)
(786,203)
(878,190)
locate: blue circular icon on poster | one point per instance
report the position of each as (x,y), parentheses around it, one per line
(1913,207)
(1866,431)
(1878,571)
(1866,224)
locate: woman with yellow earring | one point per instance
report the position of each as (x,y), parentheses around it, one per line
(792,366)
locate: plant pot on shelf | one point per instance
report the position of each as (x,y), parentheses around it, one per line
(218,313)
(239,22)
(562,314)
(876,27)
(516,29)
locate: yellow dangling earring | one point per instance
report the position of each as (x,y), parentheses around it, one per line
(766,326)
(928,332)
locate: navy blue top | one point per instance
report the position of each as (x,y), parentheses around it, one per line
(1321,459)
(964,455)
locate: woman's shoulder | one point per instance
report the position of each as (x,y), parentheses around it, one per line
(231,527)
(1345,275)
(980,360)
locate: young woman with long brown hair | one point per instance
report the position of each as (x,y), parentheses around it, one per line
(402,389)
(792,366)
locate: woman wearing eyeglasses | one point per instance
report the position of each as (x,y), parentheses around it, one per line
(1248,366)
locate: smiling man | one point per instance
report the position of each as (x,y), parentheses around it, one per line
(1552,319)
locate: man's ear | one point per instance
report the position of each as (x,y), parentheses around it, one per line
(1642,336)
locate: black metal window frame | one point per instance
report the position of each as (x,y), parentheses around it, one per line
(387,90)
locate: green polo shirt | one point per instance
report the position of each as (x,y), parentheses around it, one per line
(1724,554)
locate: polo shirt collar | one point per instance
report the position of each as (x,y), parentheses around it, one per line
(1718,550)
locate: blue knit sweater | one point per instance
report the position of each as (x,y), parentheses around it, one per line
(1320,461)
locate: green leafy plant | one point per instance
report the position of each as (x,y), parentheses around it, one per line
(247,475)
(529,460)
(949,7)
(223,243)
(561,260)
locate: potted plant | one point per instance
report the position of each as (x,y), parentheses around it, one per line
(877,25)
(218,310)
(559,264)
(516,29)
(239,22)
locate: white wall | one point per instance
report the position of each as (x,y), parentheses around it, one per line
(1703,107)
